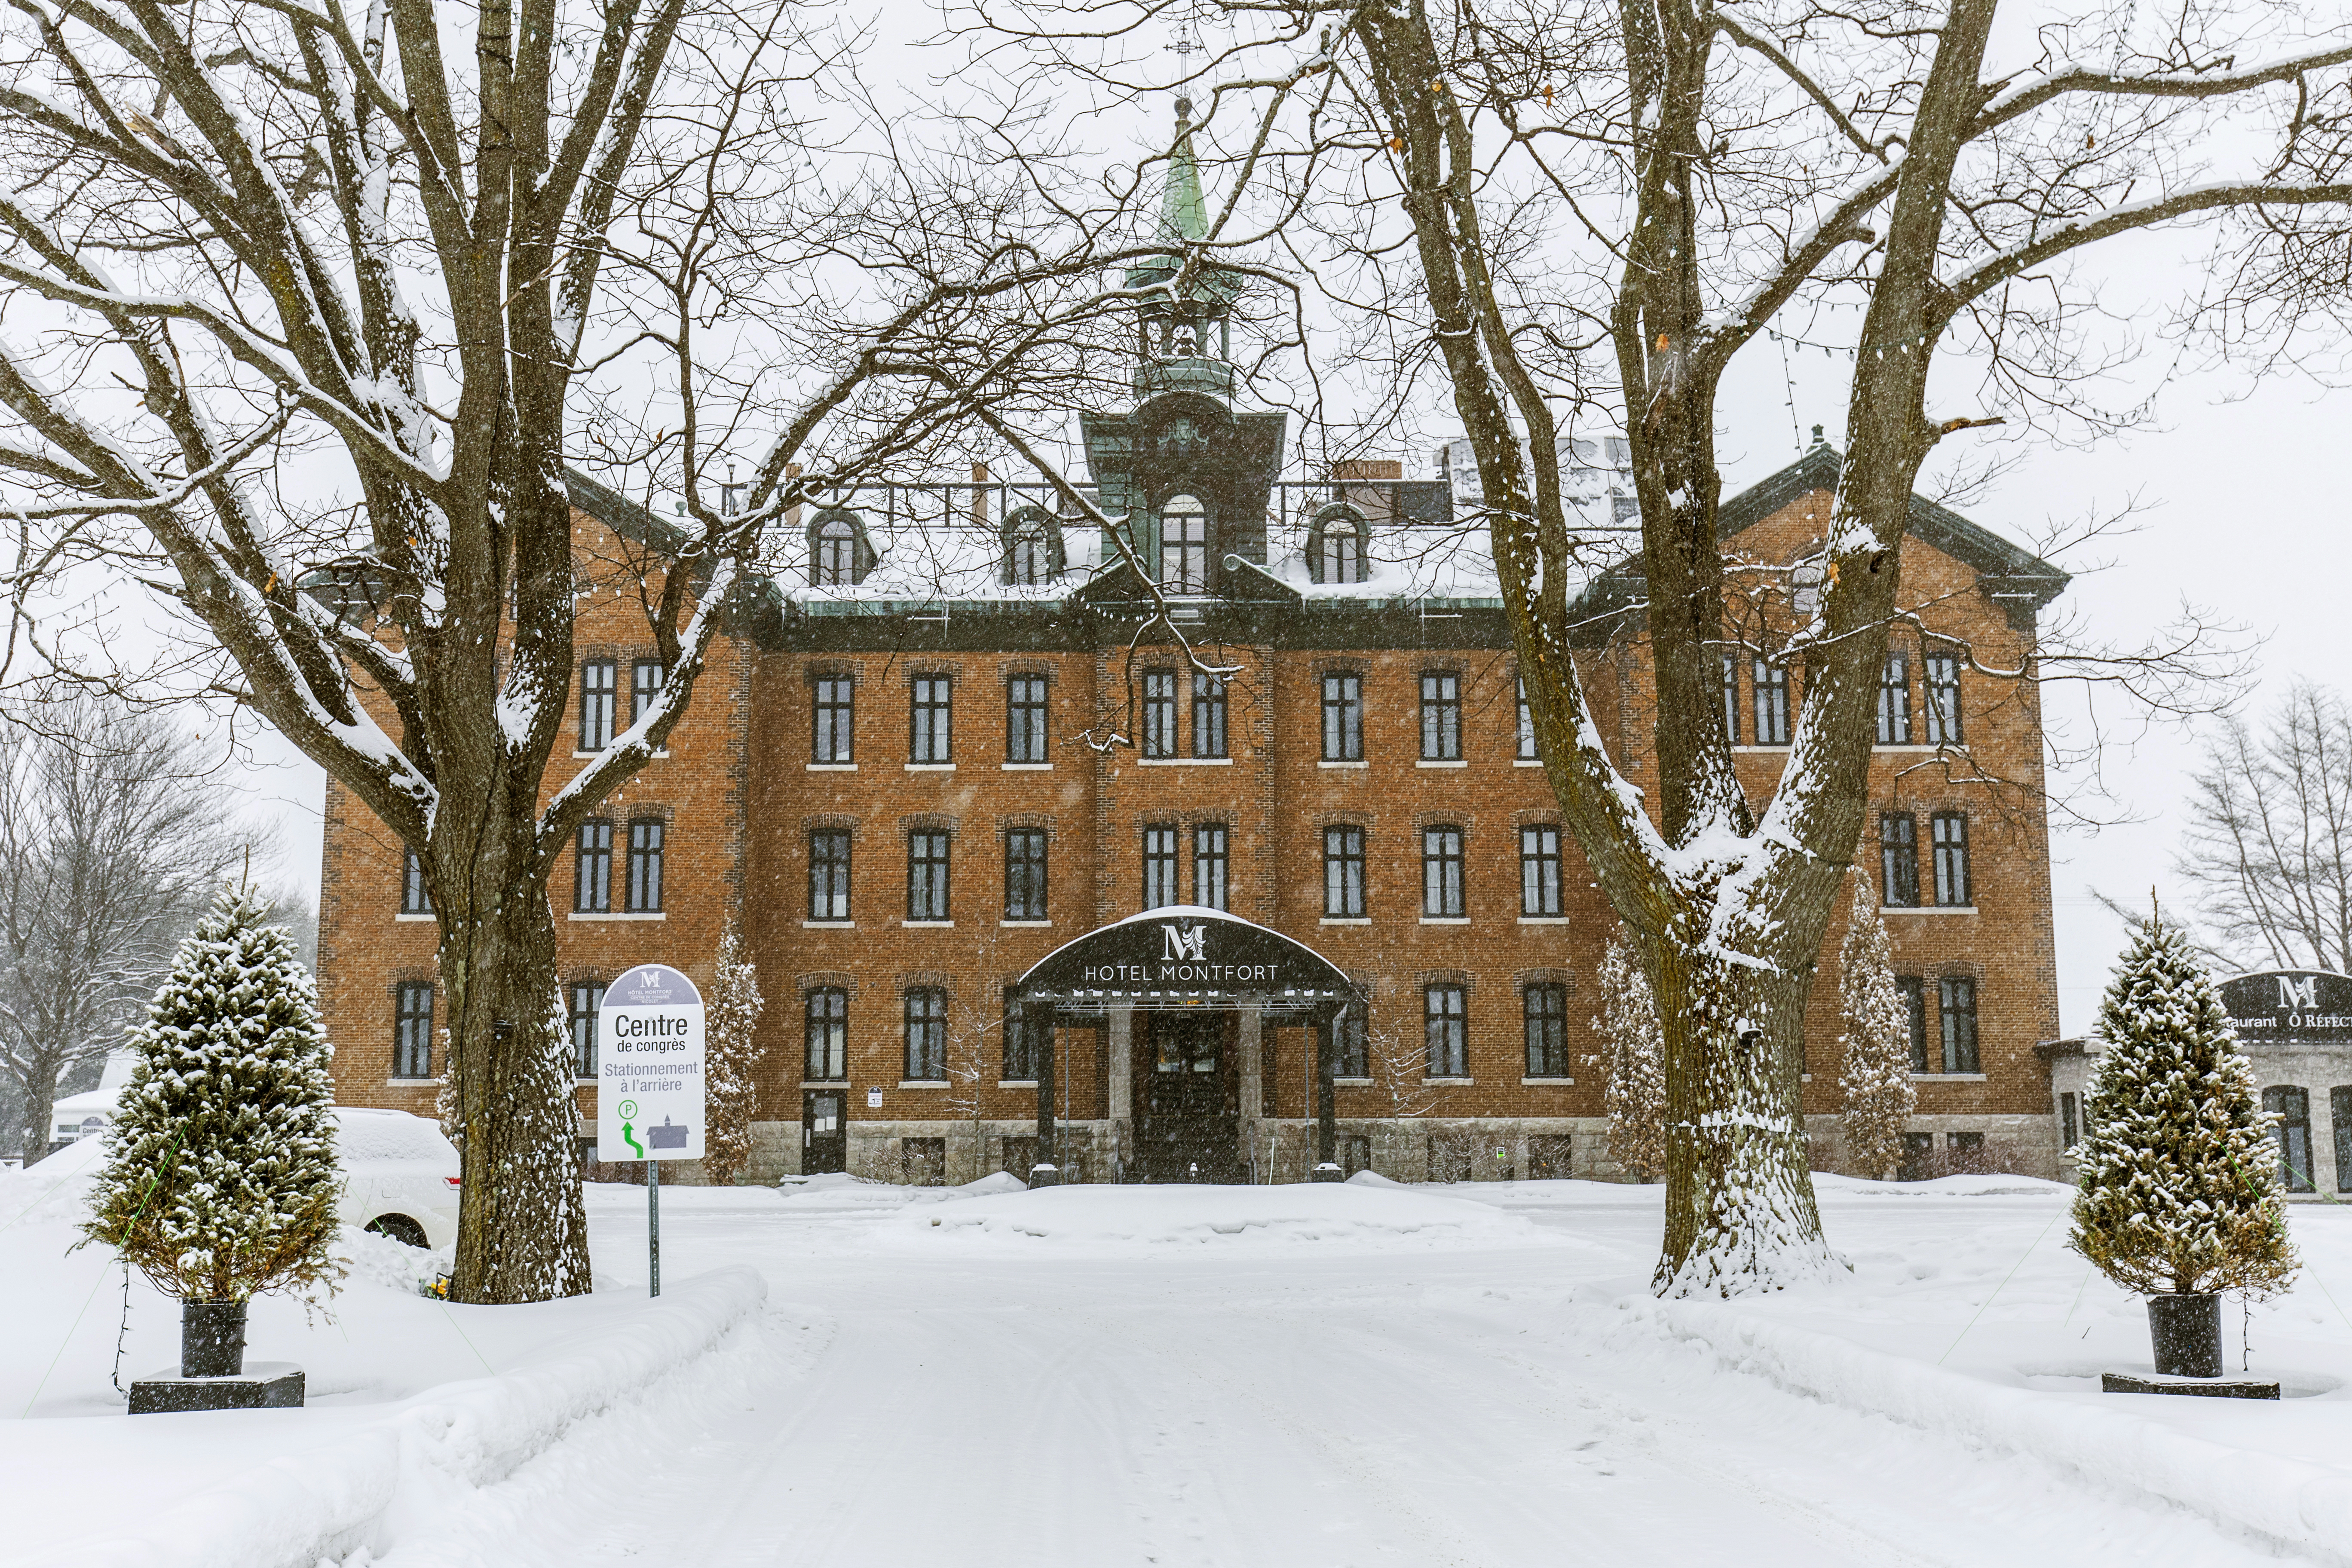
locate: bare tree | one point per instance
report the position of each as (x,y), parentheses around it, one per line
(438,257)
(112,838)
(2269,844)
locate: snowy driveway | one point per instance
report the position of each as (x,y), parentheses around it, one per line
(1017,1400)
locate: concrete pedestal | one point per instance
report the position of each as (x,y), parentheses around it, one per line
(263,1386)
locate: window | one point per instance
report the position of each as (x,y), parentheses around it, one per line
(836,555)
(1338,551)
(1898,860)
(646,678)
(1540,871)
(1343,873)
(1184,546)
(1943,674)
(834,719)
(1159,866)
(1343,718)
(1730,697)
(926,876)
(824,1017)
(929,714)
(596,679)
(592,880)
(1031,558)
(1159,712)
(1023,1036)
(2292,1106)
(1212,844)
(1551,1156)
(923,1162)
(587,997)
(645,865)
(412,1029)
(829,874)
(2068,1131)
(1355,1152)
(1771,704)
(1025,719)
(415,899)
(1545,1008)
(1208,716)
(1914,992)
(1025,874)
(1441,872)
(1350,1041)
(1956,1005)
(1950,830)
(1446,1030)
(926,1033)
(1526,752)
(2339,1112)
(1894,701)
(1441,716)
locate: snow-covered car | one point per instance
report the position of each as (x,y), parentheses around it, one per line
(400,1176)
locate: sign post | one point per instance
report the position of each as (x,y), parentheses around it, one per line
(649,1064)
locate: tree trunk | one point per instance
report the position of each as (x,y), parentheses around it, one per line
(1739,1193)
(38,1110)
(523,1231)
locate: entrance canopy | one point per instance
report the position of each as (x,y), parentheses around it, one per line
(1184,955)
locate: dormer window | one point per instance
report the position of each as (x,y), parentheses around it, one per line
(1184,546)
(1336,551)
(1032,557)
(836,555)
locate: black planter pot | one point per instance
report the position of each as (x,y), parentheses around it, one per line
(2187,1332)
(212,1339)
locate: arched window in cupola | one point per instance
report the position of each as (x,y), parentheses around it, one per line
(1184,545)
(839,555)
(1336,546)
(1033,548)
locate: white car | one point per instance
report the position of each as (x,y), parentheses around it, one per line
(400,1176)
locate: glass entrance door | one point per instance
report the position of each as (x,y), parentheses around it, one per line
(824,1131)
(1186,1127)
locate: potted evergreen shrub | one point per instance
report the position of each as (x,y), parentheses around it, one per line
(220,1178)
(2179,1199)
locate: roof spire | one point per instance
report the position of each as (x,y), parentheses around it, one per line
(1184,214)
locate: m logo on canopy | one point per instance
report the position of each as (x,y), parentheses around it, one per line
(2299,995)
(1180,943)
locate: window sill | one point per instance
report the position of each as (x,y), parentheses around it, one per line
(1184,761)
(1781,747)
(1343,765)
(1957,746)
(1548,1082)
(408,1083)
(584,756)
(930,767)
(929,925)
(1021,767)
(831,767)
(1927,909)
(1449,1082)
(828,925)
(924,1083)
(1948,1077)
(412,916)
(1345,921)
(825,1083)
(1543,920)
(1431,762)
(1351,1083)
(654,915)
(1526,761)
(1445,920)
(1024,925)
(1016,1083)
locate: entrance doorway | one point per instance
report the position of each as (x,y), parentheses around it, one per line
(1187,1128)
(824,1131)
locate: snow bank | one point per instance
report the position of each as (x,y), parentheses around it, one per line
(337,1486)
(2279,1496)
(1128,1219)
(1986,1186)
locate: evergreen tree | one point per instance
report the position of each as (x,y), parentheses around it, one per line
(220,1178)
(733,1017)
(1635,1095)
(1875,1079)
(2179,1172)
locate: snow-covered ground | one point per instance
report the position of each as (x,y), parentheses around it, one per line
(1305,1376)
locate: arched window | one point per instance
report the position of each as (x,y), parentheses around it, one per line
(1032,558)
(1336,551)
(1184,546)
(835,565)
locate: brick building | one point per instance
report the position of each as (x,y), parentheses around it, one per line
(937,755)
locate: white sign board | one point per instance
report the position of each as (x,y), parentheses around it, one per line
(650,1083)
